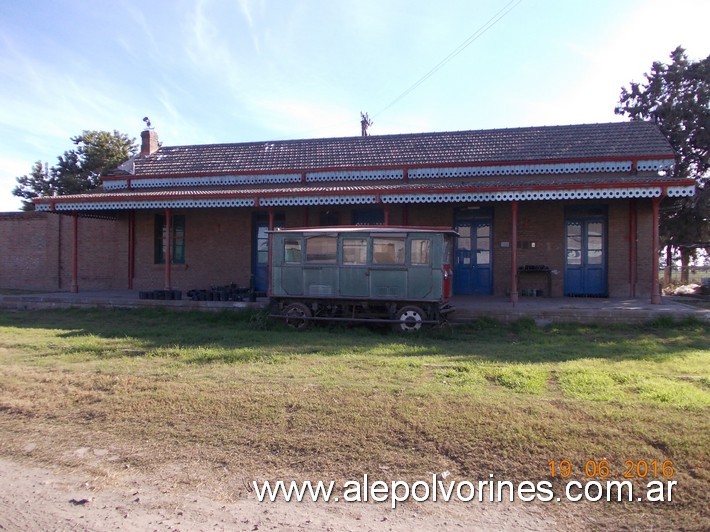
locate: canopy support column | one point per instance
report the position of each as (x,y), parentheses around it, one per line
(75,254)
(167,285)
(632,247)
(514,253)
(131,248)
(655,285)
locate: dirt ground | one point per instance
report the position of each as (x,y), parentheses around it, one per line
(35,497)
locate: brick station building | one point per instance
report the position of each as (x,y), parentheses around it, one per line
(545,211)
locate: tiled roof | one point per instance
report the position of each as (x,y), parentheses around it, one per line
(540,144)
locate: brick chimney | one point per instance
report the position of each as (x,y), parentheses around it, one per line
(149,142)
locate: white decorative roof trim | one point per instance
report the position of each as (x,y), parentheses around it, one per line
(317,200)
(392,174)
(158,182)
(571,194)
(655,165)
(354,175)
(116,184)
(448,197)
(678,192)
(160,204)
(520,169)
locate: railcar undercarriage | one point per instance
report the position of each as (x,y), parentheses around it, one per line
(405,316)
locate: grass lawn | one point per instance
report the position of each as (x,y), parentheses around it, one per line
(243,399)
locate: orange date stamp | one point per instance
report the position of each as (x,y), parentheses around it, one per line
(603,469)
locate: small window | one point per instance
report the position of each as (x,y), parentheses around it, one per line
(322,249)
(177,239)
(387,251)
(420,251)
(292,250)
(354,251)
(329,218)
(368,217)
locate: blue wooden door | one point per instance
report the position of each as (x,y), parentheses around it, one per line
(473,273)
(585,266)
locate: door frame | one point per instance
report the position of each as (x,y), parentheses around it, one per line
(585,215)
(260,271)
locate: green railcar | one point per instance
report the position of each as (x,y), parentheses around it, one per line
(385,274)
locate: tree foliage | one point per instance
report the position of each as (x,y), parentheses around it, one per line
(78,169)
(676,96)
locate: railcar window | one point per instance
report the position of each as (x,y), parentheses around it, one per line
(387,251)
(420,251)
(354,251)
(321,249)
(292,250)
(447,250)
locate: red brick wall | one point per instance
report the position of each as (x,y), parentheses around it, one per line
(544,225)
(37,247)
(644,260)
(217,250)
(37,252)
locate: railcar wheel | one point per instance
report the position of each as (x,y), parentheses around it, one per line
(297,315)
(410,318)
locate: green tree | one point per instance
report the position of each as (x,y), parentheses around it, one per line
(78,169)
(676,96)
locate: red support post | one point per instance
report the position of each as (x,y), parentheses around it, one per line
(168,249)
(632,247)
(387,215)
(75,254)
(131,248)
(270,253)
(514,253)
(655,284)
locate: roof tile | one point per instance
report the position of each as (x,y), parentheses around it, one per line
(549,143)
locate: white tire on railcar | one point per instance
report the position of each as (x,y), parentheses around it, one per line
(410,318)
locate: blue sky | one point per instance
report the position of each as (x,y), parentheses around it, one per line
(214,71)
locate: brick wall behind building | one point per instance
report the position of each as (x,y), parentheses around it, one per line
(37,252)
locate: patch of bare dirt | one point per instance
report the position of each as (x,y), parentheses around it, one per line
(37,497)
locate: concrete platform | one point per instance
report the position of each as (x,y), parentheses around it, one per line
(582,310)
(579,310)
(115,299)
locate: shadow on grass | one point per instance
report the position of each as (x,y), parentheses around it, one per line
(231,337)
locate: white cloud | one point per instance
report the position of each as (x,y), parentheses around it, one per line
(10,169)
(247,7)
(623,54)
(294,118)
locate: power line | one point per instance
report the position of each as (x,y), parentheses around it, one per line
(461,47)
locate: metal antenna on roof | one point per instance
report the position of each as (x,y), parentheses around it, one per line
(365,123)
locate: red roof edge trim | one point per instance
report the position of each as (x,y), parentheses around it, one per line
(360,190)
(397,167)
